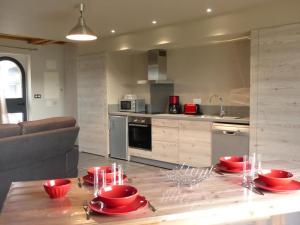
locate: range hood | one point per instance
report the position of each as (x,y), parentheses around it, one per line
(157,68)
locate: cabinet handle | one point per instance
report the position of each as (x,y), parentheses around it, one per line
(225,132)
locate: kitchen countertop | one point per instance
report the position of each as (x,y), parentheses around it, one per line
(184,117)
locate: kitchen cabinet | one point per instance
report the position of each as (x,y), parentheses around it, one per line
(140,153)
(181,141)
(194,140)
(92,104)
(118,138)
(165,140)
(275,92)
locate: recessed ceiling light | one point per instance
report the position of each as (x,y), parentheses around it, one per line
(208,10)
(113,31)
(154,22)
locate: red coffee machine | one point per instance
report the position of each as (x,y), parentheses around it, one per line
(174,106)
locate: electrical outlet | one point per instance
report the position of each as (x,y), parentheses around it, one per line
(197,101)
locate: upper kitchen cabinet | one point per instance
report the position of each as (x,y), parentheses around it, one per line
(275,92)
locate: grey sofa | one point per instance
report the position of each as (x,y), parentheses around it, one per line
(42,149)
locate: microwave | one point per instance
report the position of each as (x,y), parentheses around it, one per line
(132,105)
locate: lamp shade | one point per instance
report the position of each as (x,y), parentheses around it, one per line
(81,32)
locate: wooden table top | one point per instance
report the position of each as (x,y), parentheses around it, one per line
(217,200)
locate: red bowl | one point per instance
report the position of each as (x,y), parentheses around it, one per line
(275,177)
(107,169)
(232,162)
(57,188)
(109,173)
(117,195)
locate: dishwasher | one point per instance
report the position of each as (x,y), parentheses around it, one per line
(229,139)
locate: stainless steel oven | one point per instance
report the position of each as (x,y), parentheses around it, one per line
(139,133)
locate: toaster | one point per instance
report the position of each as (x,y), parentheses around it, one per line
(191,108)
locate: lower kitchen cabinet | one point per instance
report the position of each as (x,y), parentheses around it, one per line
(165,151)
(165,140)
(182,141)
(194,146)
(140,153)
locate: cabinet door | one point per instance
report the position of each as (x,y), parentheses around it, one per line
(194,147)
(165,151)
(168,134)
(165,140)
(118,137)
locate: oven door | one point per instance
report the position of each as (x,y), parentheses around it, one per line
(139,135)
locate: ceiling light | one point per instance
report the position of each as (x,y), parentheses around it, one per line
(154,22)
(163,42)
(124,48)
(208,10)
(81,32)
(113,31)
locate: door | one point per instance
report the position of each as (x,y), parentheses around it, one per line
(118,137)
(13,75)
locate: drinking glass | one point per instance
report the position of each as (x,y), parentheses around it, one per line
(103,176)
(114,171)
(96,181)
(245,169)
(258,162)
(253,166)
(120,175)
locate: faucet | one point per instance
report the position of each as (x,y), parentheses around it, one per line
(222,111)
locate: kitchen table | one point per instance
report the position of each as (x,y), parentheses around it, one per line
(218,200)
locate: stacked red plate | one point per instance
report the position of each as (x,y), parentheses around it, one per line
(89,178)
(230,164)
(275,180)
(118,200)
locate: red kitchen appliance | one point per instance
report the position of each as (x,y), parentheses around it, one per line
(192,108)
(174,106)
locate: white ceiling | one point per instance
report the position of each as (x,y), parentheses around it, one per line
(52,19)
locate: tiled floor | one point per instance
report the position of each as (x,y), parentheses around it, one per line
(87,160)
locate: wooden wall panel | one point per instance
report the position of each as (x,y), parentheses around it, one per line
(275,92)
(92,104)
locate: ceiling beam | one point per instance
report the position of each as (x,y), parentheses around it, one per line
(30,40)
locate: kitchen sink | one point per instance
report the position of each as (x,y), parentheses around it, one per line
(218,117)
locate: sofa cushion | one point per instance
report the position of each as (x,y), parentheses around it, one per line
(9,130)
(46,124)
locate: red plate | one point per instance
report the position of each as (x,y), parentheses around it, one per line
(292,186)
(90,179)
(225,169)
(138,204)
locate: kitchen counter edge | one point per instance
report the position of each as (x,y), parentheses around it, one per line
(182,117)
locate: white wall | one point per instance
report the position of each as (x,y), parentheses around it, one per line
(70,80)
(197,72)
(34,60)
(44,108)
(123,70)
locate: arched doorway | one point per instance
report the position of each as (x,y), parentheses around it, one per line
(13,75)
